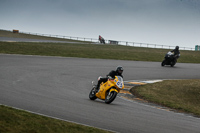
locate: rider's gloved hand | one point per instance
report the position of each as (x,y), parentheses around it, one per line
(109,77)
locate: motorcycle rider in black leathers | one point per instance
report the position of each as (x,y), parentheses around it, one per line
(111,75)
(176,52)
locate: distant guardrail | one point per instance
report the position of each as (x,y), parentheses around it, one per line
(134,44)
(147,45)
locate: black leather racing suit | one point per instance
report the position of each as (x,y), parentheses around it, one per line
(111,74)
(176,54)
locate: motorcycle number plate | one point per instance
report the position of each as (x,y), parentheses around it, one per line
(119,84)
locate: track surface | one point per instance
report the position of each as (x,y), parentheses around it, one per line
(13,39)
(59,87)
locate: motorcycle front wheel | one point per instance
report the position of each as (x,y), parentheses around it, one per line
(163,63)
(110,97)
(92,94)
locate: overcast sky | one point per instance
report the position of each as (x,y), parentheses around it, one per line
(164,22)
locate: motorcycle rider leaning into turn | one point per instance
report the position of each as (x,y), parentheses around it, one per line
(176,52)
(118,72)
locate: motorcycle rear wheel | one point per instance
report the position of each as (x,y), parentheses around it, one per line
(110,97)
(92,94)
(172,64)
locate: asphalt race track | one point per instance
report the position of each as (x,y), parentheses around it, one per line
(12,39)
(59,87)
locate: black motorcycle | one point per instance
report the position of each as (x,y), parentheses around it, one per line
(170,59)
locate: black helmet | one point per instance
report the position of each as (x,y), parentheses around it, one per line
(177,48)
(119,69)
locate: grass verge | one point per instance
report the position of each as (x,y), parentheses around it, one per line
(94,51)
(18,121)
(182,95)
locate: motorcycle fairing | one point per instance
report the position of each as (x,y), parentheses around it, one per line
(115,84)
(103,88)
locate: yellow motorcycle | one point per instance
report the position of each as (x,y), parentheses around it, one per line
(108,90)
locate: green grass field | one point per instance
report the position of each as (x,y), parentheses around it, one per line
(94,51)
(181,95)
(18,121)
